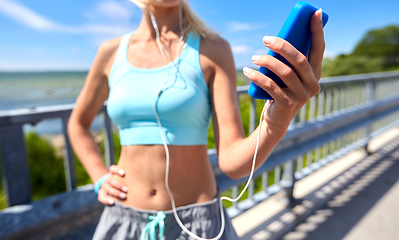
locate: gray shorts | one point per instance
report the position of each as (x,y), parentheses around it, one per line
(125,222)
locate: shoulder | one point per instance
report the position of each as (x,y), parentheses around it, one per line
(106,54)
(215,48)
(109,47)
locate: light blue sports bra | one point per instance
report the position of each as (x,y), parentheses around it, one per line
(184,107)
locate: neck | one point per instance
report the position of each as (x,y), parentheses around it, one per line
(167,20)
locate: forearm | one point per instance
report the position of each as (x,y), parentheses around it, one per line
(236,159)
(87,151)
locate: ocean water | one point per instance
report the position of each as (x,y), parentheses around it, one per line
(19,90)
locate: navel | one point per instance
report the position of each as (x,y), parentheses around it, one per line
(153,192)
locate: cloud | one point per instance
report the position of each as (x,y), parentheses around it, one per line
(109,11)
(25,16)
(235,26)
(33,20)
(262,51)
(241,49)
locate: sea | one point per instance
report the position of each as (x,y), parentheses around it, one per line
(22,90)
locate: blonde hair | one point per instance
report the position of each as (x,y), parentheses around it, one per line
(191,21)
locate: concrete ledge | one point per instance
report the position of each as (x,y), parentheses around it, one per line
(51,217)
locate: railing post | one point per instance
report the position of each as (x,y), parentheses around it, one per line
(288,182)
(370,96)
(16,179)
(69,162)
(108,141)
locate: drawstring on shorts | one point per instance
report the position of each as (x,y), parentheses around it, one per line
(149,229)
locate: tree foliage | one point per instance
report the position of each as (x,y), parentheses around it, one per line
(377,51)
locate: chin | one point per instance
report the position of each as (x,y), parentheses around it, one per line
(165,3)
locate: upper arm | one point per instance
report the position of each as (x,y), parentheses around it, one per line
(95,90)
(223,87)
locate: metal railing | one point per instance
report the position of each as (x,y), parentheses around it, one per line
(347,112)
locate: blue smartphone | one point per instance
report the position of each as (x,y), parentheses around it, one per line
(296,30)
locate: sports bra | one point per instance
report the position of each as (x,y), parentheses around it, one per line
(184,107)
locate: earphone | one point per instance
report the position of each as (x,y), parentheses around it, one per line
(166,146)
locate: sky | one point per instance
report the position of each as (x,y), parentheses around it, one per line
(48,35)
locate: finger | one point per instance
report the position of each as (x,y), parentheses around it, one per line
(117,170)
(117,184)
(298,61)
(289,77)
(316,52)
(104,199)
(113,191)
(265,83)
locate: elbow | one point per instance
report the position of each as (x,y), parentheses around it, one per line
(229,170)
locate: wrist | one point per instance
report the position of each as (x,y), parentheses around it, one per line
(98,184)
(276,130)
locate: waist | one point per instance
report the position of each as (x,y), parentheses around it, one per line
(191,178)
(150,135)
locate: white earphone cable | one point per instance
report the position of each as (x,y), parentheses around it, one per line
(167,150)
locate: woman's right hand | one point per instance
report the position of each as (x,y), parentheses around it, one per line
(112,187)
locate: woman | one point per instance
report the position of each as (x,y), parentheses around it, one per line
(198,80)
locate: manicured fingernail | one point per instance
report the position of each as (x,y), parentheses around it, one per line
(268,40)
(121,172)
(122,195)
(255,58)
(246,69)
(320,15)
(124,189)
(111,201)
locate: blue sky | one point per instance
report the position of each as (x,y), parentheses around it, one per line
(64,35)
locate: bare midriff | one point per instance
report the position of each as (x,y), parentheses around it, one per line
(191,179)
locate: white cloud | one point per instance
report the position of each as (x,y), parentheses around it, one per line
(242,26)
(32,19)
(113,10)
(25,16)
(262,51)
(240,49)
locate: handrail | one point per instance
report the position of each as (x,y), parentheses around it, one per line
(347,112)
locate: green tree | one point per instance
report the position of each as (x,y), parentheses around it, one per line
(46,169)
(380,42)
(377,51)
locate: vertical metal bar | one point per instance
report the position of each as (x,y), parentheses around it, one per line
(235,195)
(252,115)
(302,113)
(289,181)
(251,189)
(328,100)
(312,110)
(371,95)
(320,107)
(336,99)
(15,170)
(342,97)
(277,174)
(108,141)
(265,181)
(69,163)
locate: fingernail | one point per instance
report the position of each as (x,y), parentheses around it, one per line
(320,15)
(122,195)
(124,189)
(255,58)
(111,201)
(246,69)
(121,172)
(268,40)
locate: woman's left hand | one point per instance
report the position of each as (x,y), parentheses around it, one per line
(302,84)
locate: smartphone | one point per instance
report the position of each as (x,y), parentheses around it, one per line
(296,30)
